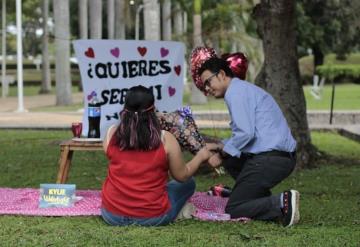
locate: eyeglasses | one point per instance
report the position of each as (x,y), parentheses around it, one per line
(208,80)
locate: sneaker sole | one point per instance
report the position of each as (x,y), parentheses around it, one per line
(295,200)
(186,212)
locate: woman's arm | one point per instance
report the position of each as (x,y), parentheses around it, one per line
(180,171)
(110,132)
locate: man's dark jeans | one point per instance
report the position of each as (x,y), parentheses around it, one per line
(255,175)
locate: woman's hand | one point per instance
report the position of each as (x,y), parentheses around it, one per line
(215,160)
(204,154)
(215,147)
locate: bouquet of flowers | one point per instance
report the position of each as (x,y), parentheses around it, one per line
(182,125)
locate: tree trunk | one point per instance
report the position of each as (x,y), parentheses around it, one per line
(280,72)
(178,21)
(318,56)
(197,97)
(185,21)
(120,19)
(83,26)
(46,79)
(152,19)
(110,18)
(83,19)
(95,11)
(62,47)
(166,20)
(3,50)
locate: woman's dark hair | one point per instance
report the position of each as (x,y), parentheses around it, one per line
(216,64)
(139,128)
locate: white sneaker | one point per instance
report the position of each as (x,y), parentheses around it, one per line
(186,212)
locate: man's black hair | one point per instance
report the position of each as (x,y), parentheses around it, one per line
(216,64)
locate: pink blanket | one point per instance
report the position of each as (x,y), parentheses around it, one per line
(26,202)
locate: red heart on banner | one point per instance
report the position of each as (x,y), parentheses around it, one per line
(177,69)
(90,53)
(171,91)
(142,50)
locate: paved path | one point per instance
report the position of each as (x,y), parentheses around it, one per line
(10,104)
(10,119)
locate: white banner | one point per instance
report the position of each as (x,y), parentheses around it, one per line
(109,68)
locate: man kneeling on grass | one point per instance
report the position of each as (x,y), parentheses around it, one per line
(261,150)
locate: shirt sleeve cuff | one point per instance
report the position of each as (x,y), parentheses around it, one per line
(231,150)
(224,141)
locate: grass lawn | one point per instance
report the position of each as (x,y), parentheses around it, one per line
(34,90)
(330,211)
(347,97)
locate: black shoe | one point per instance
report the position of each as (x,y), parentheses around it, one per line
(291,214)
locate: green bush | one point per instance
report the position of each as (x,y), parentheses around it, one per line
(307,70)
(340,72)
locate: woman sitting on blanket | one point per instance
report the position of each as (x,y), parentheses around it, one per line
(141,155)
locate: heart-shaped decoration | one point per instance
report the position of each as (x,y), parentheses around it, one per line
(171,91)
(164,52)
(115,52)
(177,69)
(90,52)
(142,50)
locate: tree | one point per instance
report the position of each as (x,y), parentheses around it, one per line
(328,26)
(228,27)
(120,19)
(110,18)
(3,47)
(166,20)
(62,47)
(83,18)
(280,74)
(45,68)
(152,19)
(95,10)
(197,96)
(178,21)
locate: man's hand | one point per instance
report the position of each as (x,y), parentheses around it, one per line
(215,160)
(215,147)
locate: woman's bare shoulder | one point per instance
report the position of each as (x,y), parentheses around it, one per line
(168,140)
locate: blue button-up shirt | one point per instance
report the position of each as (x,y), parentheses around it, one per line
(257,123)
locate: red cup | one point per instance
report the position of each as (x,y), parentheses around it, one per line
(76,129)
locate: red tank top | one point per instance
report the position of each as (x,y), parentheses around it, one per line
(136,182)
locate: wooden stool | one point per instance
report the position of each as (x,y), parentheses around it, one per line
(67,148)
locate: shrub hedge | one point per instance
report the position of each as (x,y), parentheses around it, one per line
(340,72)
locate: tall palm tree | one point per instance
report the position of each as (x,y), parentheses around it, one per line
(83,18)
(120,19)
(46,78)
(62,46)
(166,20)
(110,18)
(152,19)
(178,21)
(3,53)
(95,10)
(197,96)
(228,27)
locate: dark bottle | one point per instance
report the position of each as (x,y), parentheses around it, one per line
(220,190)
(94,117)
